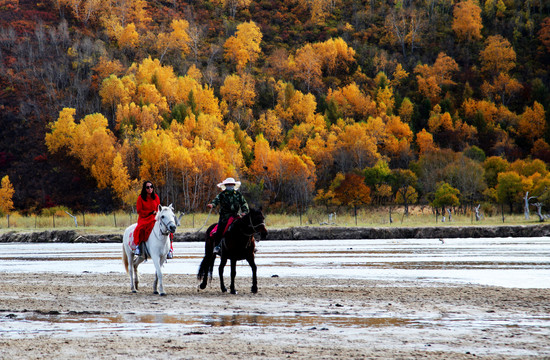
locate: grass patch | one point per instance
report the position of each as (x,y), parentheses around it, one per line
(116,222)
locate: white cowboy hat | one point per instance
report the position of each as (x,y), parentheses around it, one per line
(229,181)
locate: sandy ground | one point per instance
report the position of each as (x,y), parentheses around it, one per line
(295,318)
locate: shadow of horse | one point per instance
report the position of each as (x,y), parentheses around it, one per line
(238,244)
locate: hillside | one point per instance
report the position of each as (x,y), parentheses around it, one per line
(301,100)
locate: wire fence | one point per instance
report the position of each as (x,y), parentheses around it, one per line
(194,221)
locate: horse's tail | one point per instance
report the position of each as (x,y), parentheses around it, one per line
(124,258)
(206,268)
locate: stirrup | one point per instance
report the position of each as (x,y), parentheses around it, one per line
(170,255)
(217,250)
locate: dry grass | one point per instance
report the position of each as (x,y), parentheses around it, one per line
(118,221)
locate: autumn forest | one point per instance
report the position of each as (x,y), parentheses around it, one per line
(326,103)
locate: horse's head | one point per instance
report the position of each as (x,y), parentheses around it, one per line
(167,219)
(257,222)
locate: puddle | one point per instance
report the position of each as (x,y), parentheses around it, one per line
(24,324)
(211,320)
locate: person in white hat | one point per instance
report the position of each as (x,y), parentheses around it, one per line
(231,201)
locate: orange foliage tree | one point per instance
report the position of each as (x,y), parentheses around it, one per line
(353,192)
(532,123)
(284,175)
(544,33)
(430,79)
(467,23)
(498,56)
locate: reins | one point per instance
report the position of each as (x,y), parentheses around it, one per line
(205,221)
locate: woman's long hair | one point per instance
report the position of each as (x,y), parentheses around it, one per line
(144,191)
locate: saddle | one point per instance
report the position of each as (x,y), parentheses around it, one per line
(229,222)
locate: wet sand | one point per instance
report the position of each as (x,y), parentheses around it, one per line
(294,318)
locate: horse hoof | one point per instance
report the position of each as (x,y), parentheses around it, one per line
(224,290)
(162,294)
(254,289)
(202,286)
(234,292)
(134,291)
(155,292)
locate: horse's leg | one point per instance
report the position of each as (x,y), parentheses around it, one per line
(223,261)
(207,262)
(158,277)
(233,274)
(203,271)
(138,260)
(127,253)
(253,266)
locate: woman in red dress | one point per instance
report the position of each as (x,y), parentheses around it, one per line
(147,205)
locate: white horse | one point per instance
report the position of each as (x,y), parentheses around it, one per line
(157,246)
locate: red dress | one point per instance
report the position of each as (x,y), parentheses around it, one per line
(146,218)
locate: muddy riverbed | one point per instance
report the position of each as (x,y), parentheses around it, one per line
(315,301)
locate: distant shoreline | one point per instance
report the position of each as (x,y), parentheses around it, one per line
(305,233)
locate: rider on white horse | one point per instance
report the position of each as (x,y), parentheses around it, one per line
(146,206)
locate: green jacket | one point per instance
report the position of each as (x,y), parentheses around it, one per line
(230,201)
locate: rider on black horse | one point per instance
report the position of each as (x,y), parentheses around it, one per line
(231,201)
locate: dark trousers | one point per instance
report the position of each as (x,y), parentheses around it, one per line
(219,232)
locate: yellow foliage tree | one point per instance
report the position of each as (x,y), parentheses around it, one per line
(352,102)
(125,188)
(270,126)
(239,93)
(440,122)
(244,47)
(177,39)
(94,145)
(6,195)
(129,37)
(335,55)
(399,75)
(406,110)
(132,116)
(306,66)
(113,92)
(62,131)
(356,145)
(90,141)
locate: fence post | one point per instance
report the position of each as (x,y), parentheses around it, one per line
(114,215)
(8,216)
(53,220)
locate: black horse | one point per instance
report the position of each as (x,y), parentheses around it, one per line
(238,244)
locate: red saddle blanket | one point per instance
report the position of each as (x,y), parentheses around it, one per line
(229,222)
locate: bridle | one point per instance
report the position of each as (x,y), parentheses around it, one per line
(162,224)
(253,226)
